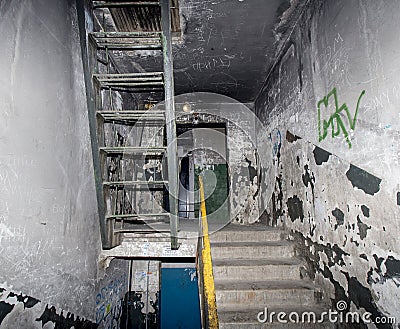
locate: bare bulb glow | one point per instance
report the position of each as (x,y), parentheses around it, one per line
(186,107)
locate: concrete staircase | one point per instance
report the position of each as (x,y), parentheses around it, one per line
(255,268)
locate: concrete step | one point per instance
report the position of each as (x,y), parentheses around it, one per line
(256,293)
(252,250)
(241,233)
(256,269)
(246,317)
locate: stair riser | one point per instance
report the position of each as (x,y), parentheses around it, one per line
(257,273)
(257,325)
(258,252)
(263,298)
(223,236)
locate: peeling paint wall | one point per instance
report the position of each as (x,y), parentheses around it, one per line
(49,231)
(24,312)
(333,96)
(111,290)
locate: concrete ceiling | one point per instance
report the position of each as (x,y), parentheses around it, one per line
(227,46)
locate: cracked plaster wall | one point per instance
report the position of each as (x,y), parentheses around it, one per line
(339,192)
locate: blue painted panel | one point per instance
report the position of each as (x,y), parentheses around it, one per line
(180,306)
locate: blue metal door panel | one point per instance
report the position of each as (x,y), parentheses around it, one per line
(180,306)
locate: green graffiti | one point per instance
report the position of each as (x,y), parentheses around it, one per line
(336,118)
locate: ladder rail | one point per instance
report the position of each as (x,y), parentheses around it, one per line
(119,197)
(172,148)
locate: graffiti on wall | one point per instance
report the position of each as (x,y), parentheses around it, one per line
(335,121)
(109,302)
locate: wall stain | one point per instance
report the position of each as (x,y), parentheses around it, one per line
(320,155)
(363,228)
(365,210)
(339,215)
(291,138)
(392,267)
(361,296)
(277,201)
(357,293)
(363,180)
(308,179)
(295,208)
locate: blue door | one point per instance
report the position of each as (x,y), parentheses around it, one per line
(180,306)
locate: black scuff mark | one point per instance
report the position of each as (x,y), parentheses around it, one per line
(312,229)
(362,297)
(339,215)
(5,309)
(308,179)
(277,201)
(252,175)
(398,198)
(291,138)
(62,321)
(26,300)
(365,210)
(392,267)
(376,275)
(298,160)
(364,256)
(251,169)
(363,180)
(378,260)
(320,155)
(362,228)
(358,294)
(295,208)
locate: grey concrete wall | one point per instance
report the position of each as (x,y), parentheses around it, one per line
(335,167)
(49,232)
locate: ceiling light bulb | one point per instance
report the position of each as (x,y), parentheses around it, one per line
(186,107)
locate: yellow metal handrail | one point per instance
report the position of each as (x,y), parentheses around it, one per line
(208,277)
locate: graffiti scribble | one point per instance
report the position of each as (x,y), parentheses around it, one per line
(336,118)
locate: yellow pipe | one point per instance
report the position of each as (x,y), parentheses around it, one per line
(208,277)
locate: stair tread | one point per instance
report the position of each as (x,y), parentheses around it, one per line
(109,4)
(128,75)
(131,149)
(250,228)
(230,244)
(116,34)
(256,262)
(138,215)
(263,285)
(135,183)
(248,314)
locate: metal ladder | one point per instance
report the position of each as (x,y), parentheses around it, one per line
(121,160)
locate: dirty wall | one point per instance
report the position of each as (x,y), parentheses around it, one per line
(330,109)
